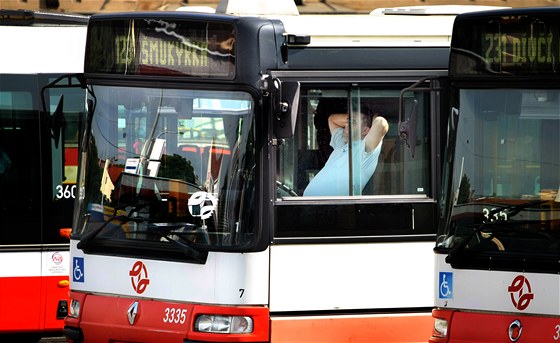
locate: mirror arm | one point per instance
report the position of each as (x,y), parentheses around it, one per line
(69,84)
(407,128)
(285,102)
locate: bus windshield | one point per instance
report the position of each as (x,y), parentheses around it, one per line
(504,194)
(175,169)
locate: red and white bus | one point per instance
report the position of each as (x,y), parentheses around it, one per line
(38,166)
(203,131)
(498,252)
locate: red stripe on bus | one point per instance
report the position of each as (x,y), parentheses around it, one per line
(105,319)
(490,327)
(30,303)
(366,329)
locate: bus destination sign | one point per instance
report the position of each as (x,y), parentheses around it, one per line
(161,47)
(513,45)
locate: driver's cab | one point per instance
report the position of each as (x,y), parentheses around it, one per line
(396,172)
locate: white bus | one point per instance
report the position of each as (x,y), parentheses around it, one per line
(38,166)
(204,131)
(497,251)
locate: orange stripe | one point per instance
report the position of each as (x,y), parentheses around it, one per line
(373,328)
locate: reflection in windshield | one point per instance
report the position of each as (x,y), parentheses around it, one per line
(505,176)
(168,166)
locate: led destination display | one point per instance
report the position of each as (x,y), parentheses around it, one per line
(161,47)
(514,45)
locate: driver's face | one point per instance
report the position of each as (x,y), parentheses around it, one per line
(362,127)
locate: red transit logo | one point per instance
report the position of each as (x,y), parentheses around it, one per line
(139,277)
(520,292)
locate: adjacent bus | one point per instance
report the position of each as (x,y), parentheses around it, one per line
(497,252)
(38,165)
(203,131)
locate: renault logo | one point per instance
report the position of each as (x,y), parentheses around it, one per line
(514,330)
(132,312)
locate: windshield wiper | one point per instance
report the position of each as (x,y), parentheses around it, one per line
(166,231)
(87,238)
(463,244)
(511,210)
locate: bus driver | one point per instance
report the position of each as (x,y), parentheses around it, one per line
(333,179)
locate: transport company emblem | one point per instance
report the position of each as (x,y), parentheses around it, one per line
(132,312)
(139,277)
(520,292)
(202,204)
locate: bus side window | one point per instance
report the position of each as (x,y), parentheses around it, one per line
(301,157)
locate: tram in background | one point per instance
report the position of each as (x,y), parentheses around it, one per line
(498,246)
(38,166)
(203,131)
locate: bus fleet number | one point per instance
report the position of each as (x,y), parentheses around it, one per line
(556,336)
(175,315)
(501,215)
(66,192)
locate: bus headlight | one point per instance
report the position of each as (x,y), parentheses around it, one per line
(74,308)
(440,328)
(223,324)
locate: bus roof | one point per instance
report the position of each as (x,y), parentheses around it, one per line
(41,42)
(257,7)
(398,26)
(384,27)
(38,18)
(433,10)
(370,30)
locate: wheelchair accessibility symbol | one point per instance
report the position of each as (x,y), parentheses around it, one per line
(78,269)
(445,285)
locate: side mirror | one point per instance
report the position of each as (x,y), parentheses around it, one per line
(407,129)
(56,120)
(285,101)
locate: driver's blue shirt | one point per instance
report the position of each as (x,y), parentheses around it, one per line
(333,178)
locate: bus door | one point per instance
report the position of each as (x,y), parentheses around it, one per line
(404,167)
(38,163)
